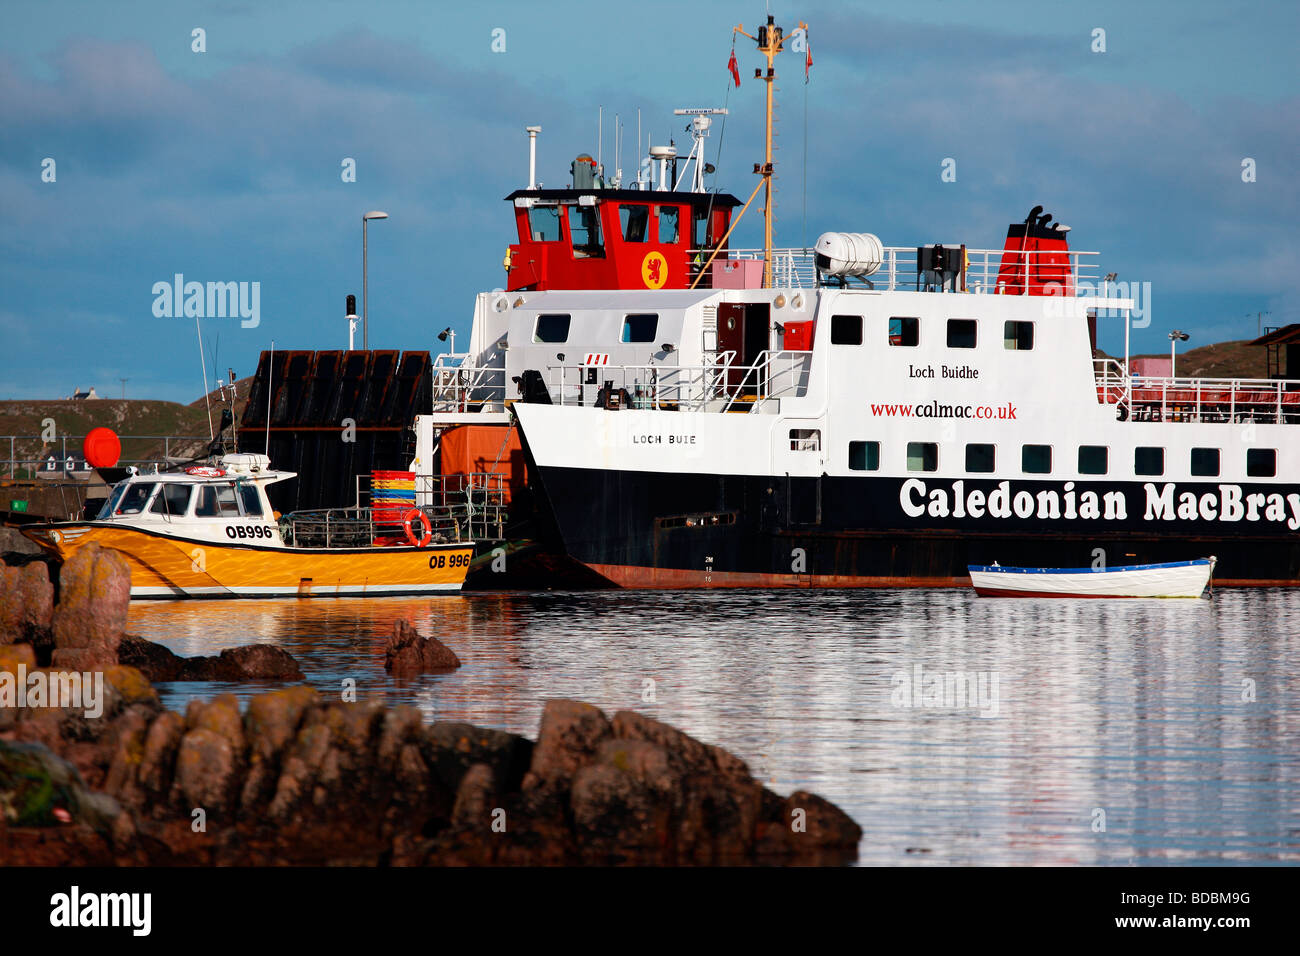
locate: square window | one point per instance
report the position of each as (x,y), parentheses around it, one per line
(668,231)
(805,439)
(1261,462)
(1094,459)
(1205,462)
(922,456)
(961,333)
(552,327)
(904,330)
(1018,336)
(640,327)
(1036,459)
(584,230)
(979,458)
(635,220)
(846,330)
(864,456)
(1148,461)
(544,223)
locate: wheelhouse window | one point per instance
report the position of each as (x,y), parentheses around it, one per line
(961,333)
(864,456)
(544,223)
(1205,462)
(805,439)
(136,497)
(668,229)
(173,500)
(846,330)
(905,331)
(217,501)
(1018,336)
(980,458)
(640,327)
(1261,462)
(635,220)
(584,230)
(1148,461)
(1036,459)
(922,456)
(1094,459)
(110,503)
(552,327)
(250,500)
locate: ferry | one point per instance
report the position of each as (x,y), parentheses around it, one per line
(208,531)
(689,414)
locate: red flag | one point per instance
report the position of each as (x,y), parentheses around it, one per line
(807,64)
(731,65)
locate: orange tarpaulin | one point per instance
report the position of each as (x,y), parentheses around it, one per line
(485,449)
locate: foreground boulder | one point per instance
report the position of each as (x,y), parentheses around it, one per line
(251,662)
(408,654)
(90,618)
(297,779)
(26,603)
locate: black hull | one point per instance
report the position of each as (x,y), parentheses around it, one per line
(669,530)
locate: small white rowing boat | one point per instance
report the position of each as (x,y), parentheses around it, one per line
(1178,579)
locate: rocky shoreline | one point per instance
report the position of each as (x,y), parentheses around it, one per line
(303,780)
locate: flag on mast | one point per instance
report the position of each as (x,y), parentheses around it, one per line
(807,63)
(731,65)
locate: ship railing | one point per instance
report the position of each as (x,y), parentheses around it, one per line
(1148,398)
(716,385)
(468,388)
(1076,272)
(478,502)
(361,528)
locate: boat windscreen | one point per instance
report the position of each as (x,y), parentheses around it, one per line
(106,511)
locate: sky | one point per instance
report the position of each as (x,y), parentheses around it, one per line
(225,165)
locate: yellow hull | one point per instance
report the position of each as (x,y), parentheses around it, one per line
(163,566)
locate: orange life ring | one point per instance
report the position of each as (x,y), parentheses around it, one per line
(409,517)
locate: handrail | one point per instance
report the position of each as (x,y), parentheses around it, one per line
(1198,399)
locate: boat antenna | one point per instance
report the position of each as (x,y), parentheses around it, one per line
(770,42)
(203,364)
(270,377)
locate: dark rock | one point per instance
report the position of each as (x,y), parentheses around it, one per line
(40,789)
(251,662)
(407,653)
(26,603)
(571,732)
(89,620)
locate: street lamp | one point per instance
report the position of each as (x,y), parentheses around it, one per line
(365,292)
(1174,338)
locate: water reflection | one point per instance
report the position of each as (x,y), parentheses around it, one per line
(1173,718)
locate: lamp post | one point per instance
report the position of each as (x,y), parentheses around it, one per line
(1174,338)
(365,291)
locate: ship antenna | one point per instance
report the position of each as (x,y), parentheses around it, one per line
(270,377)
(770,42)
(203,364)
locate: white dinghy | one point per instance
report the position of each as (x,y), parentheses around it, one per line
(1178,579)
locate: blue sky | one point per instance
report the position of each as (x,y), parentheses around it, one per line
(225,165)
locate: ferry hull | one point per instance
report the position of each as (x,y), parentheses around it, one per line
(163,566)
(671,530)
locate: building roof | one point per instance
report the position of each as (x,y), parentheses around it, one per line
(1286,335)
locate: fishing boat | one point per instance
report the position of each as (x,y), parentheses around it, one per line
(208,531)
(1175,579)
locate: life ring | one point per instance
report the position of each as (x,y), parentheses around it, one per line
(411,516)
(205,471)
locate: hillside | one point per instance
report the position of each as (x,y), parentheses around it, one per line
(128,417)
(1220,360)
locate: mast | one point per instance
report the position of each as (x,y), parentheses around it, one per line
(770,40)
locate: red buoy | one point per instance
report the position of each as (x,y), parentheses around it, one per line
(101,448)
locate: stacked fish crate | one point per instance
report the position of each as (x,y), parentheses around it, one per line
(392,495)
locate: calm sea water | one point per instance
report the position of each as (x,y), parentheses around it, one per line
(1117,732)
